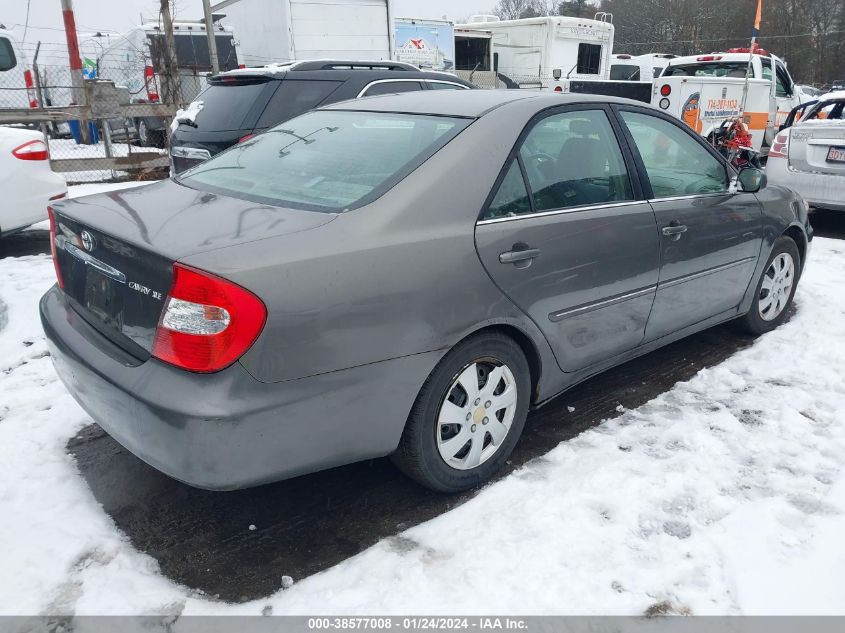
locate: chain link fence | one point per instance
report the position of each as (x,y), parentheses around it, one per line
(113,128)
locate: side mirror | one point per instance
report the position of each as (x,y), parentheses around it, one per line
(556,73)
(750,180)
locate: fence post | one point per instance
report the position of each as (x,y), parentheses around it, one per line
(172,90)
(75,61)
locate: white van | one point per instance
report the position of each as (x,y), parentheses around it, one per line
(646,67)
(17,89)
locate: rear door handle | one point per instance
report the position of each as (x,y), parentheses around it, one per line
(674,230)
(513,257)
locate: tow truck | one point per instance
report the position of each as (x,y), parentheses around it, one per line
(705,91)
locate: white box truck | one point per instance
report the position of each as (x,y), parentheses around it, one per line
(278,31)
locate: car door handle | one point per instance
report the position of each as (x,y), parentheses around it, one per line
(674,230)
(522,255)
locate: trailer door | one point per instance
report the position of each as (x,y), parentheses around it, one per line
(340,29)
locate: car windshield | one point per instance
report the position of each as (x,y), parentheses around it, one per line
(328,160)
(708,69)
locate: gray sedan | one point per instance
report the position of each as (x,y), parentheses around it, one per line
(404,275)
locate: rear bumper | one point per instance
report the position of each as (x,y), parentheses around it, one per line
(819,190)
(227,430)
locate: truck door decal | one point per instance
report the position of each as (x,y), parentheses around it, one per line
(689,113)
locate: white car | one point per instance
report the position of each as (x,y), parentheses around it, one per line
(26,179)
(809,156)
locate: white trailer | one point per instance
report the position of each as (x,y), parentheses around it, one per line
(547,52)
(278,31)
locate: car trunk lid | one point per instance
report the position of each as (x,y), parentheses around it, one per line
(818,146)
(115,251)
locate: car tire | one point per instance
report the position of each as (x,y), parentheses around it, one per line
(450,407)
(148,137)
(775,288)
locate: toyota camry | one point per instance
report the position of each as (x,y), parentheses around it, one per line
(404,275)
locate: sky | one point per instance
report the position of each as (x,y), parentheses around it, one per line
(45,18)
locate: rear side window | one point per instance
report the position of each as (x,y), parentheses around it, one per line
(294,97)
(589,58)
(512,197)
(326,160)
(226,106)
(7,55)
(391,87)
(676,164)
(445,85)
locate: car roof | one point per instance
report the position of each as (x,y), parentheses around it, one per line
(834,95)
(353,68)
(467,103)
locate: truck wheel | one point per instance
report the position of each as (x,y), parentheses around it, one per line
(468,415)
(148,137)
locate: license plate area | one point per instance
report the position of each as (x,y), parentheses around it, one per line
(836,155)
(103,299)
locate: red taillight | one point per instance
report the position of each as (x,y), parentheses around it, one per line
(558,89)
(709,58)
(780,148)
(245,138)
(665,90)
(27,77)
(153,96)
(33,150)
(53,246)
(207,323)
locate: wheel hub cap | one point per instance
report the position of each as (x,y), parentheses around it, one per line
(776,287)
(476,414)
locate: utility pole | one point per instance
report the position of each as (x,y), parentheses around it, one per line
(209,31)
(76,80)
(172,90)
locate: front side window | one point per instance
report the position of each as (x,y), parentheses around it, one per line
(326,160)
(392,87)
(573,159)
(782,87)
(676,164)
(7,55)
(589,59)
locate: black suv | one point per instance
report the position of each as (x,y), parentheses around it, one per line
(241,103)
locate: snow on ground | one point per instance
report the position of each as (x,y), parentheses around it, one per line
(726,494)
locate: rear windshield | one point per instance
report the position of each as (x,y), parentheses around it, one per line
(625,72)
(226,106)
(327,160)
(708,69)
(7,55)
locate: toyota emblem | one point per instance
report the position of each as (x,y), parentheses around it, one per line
(88,241)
